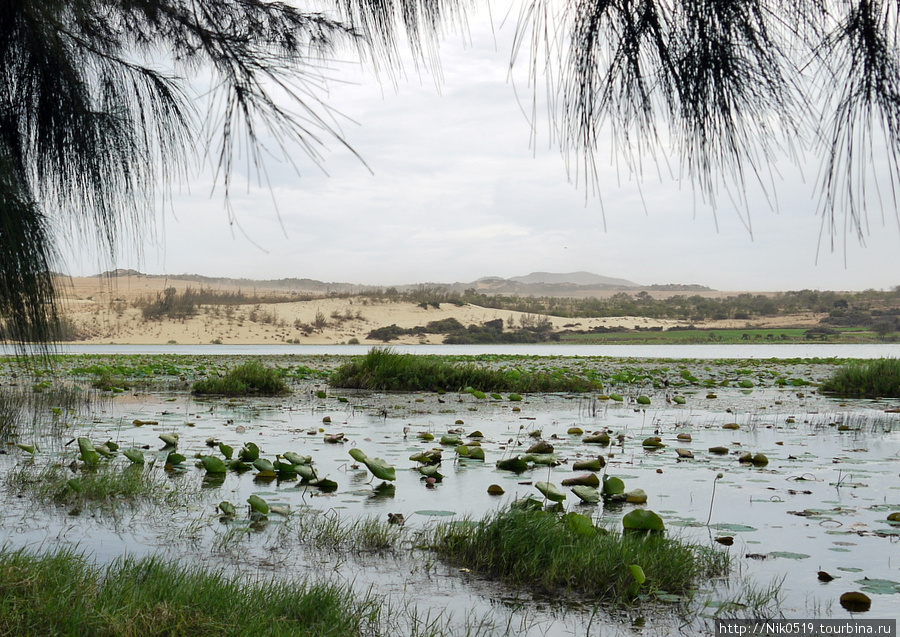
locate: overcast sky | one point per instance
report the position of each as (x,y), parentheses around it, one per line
(453,190)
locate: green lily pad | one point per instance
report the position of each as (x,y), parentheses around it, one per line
(379,468)
(879,586)
(550,491)
(586,494)
(258,504)
(213,464)
(436,513)
(737,528)
(788,555)
(642,520)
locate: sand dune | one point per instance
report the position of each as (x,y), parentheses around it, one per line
(104,311)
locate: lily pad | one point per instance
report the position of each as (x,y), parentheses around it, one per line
(436,513)
(586,494)
(642,520)
(879,586)
(550,491)
(379,468)
(789,555)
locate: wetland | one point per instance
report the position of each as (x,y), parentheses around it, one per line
(819,503)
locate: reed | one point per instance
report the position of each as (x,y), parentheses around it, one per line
(541,551)
(247,379)
(384,369)
(870,379)
(62,594)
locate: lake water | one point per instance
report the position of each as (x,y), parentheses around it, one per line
(687,351)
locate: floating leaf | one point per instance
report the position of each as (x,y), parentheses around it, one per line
(542,446)
(678,400)
(594,464)
(264,465)
(226,451)
(89,455)
(296,458)
(515,397)
(586,494)
(379,468)
(642,520)
(26,448)
(258,504)
(588,479)
(495,489)
(612,485)
(135,455)
(249,452)
(856,602)
(516,464)
(580,524)
(601,438)
(175,458)
(436,513)
(450,440)
(643,400)
(789,555)
(550,491)
(879,586)
(227,508)
(213,464)
(616,397)
(171,440)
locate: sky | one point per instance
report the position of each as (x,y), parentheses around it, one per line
(453,186)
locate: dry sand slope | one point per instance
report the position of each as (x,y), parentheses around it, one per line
(103,311)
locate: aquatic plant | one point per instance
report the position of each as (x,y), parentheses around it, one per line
(61,593)
(878,378)
(383,369)
(544,551)
(250,378)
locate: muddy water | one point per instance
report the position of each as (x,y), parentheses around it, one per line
(820,504)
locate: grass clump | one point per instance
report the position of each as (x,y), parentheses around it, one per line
(250,378)
(61,594)
(871,379)
(384,369)
(549,553)
(105,484)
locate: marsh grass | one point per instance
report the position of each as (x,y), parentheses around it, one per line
(539,551)
(62,594)
(43,408)
(383,369)
(250,378)
(107,484)
(870,379)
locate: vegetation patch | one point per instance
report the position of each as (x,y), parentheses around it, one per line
(870,379)
(548,552)
(62,594)
(384,369)
(250,378)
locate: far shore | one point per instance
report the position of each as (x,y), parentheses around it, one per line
(103,311)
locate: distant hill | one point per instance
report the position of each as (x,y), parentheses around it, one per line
(573,284)
(574,278)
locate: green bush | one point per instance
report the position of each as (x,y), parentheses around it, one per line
(250,378)
(384,369)
(871,379)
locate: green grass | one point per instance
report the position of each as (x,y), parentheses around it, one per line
(250,378)
(541,551)
(62,594)
(870,379)
(106,484)
(384,369)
